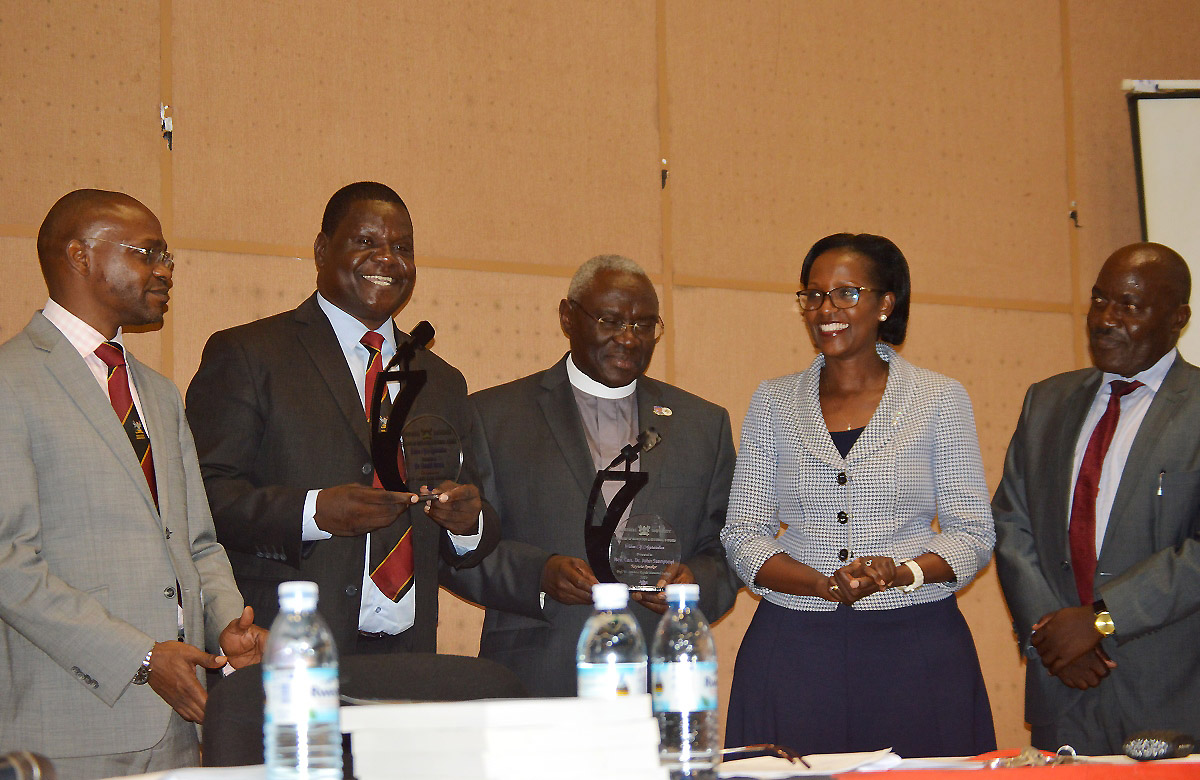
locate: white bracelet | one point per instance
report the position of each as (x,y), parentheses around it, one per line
(917,573)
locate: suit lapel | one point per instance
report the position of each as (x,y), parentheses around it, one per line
(155,423)
(657,460)
(317,337)
(562,416)
(811,428)
(1140,468)
(1061,479)
(79,384)
(896,396)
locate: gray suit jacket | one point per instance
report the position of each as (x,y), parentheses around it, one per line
(87,565)
(276,413)
(1148,572)
(538,471)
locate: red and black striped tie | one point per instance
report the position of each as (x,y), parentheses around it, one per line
(122,402)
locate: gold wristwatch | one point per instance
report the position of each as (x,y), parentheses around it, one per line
(1104,622)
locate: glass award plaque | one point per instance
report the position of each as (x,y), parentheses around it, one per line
(642,548)
(432,451)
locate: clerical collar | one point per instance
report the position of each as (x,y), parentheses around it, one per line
(585,383)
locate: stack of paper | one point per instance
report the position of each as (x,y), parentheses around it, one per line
(505,739)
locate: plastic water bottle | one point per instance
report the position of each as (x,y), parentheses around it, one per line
(302,738)
(610,659)
(683,686)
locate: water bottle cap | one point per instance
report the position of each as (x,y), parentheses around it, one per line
(680,593)
(610,595)
(297,595)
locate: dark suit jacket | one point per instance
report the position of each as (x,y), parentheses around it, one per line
(1148,572)
(538,471)
(88,566)
(276,413)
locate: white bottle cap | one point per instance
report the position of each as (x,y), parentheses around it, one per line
(610,595)
(297,596)
(683,593)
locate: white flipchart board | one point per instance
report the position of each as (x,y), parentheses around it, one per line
(1166,135)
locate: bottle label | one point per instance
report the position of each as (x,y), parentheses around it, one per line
(684,686)
(608,681)
(299,696)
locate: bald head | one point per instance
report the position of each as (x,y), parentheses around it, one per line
(75,216)
(104,259)
(1139,307)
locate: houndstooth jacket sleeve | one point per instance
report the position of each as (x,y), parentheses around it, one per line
(918,459)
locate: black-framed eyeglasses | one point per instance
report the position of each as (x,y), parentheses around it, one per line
(608,327)
(840,297)
(151,257)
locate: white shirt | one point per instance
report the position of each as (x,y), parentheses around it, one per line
(1133,410)
(376,613)
(85,339)
(590,386)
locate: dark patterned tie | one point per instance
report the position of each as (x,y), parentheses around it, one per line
(391,563)
(122,402)
(1082,531)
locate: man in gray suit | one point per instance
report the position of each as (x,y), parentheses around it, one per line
(545,437)
(1098,520)
(111,578)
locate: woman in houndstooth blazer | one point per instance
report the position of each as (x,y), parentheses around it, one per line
(858,643)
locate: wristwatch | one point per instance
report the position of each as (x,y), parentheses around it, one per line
(1104,622)
(143,673)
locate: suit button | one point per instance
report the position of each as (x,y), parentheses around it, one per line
(843,517)
(351,590)
(366,469)
(168,533)
(843,554)
(168,592)
(1066,565)
(841,478)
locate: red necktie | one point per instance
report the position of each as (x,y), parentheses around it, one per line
(392,573)
(122,402)
(1081,533)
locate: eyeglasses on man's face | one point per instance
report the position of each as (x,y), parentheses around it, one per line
(608,327)
(150,257)
(840,297)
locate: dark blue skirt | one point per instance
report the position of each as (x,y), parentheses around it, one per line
(856,680)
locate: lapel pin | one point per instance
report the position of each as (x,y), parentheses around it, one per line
(663,411)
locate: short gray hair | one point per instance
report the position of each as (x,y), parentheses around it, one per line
(587,272)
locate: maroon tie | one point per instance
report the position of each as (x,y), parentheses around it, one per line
(392,565)
(1082,530)
(122,402)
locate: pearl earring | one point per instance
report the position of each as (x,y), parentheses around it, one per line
(882,317)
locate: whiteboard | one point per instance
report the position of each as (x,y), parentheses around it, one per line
(1166,131)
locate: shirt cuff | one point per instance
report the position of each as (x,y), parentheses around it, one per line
(463,544)
(309,530)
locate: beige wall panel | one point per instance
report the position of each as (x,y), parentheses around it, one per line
(1120,39)
(995,354)
(214,291)
(79,104)
(516,131)
(24,289)
(937,124)
(459,625)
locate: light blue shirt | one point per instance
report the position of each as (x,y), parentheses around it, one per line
(377,613)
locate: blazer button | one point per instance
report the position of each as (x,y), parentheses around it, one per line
(168,592)
(366,469)
(843,517)
(351,590)
(843,554)
(1066,565)
(841,478)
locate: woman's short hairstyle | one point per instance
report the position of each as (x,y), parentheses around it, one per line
(889,272)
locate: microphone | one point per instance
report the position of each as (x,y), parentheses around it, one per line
(23,765)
